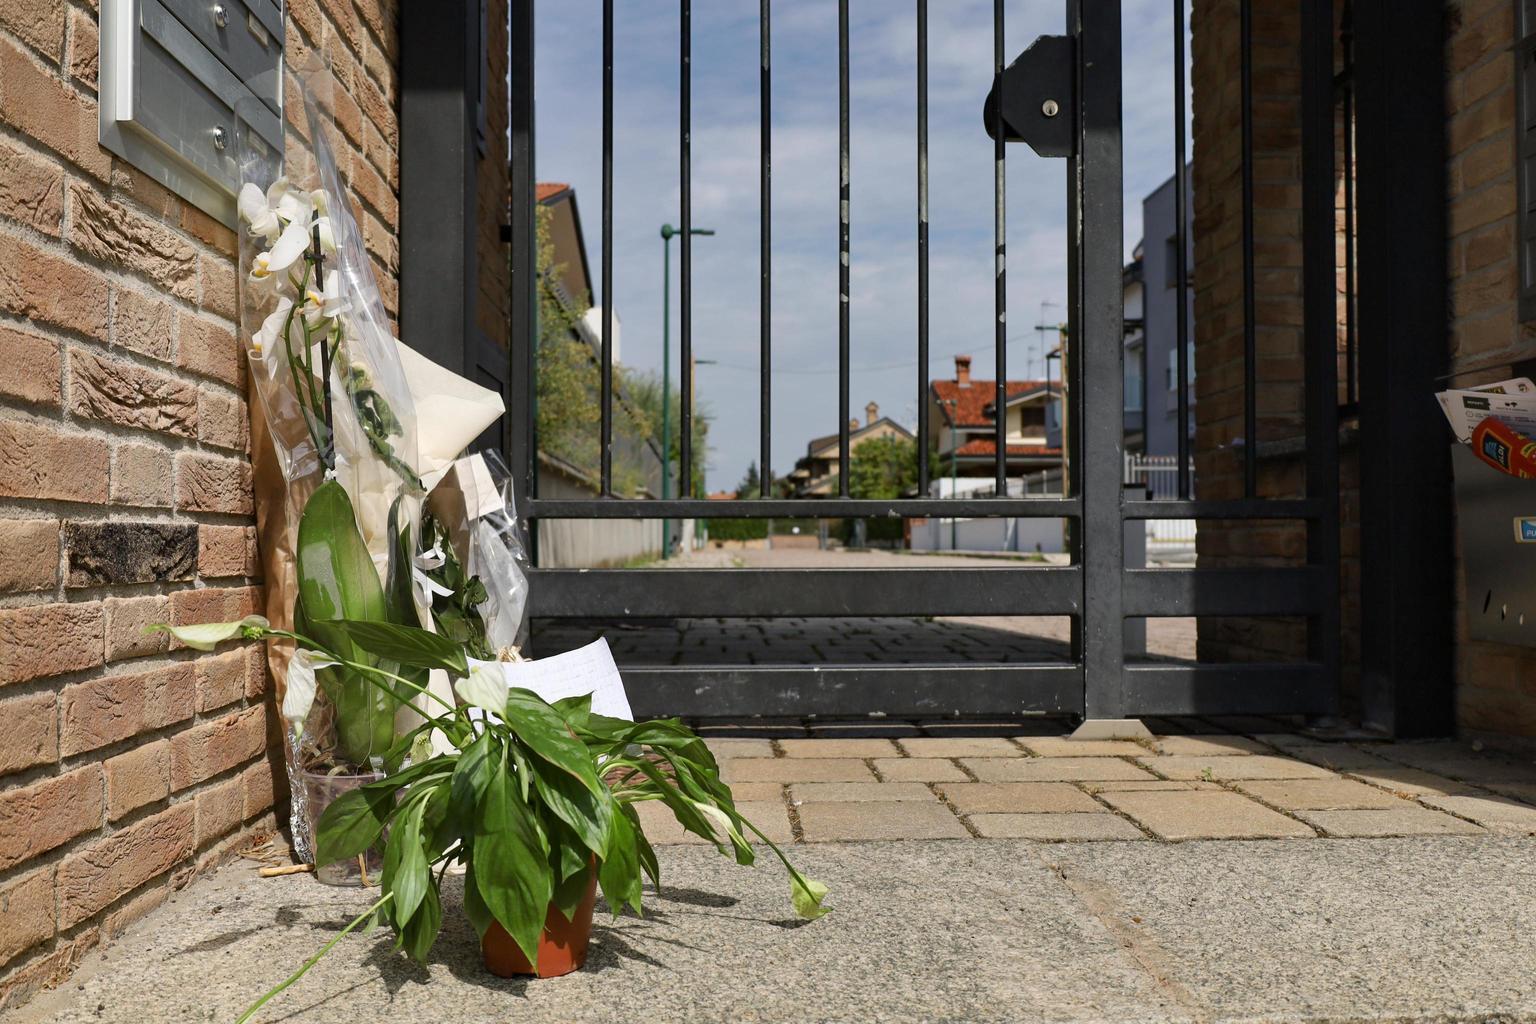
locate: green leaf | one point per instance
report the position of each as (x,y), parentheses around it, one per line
(470,777)
(585,813)
(619,872)
(405,864)
(569,894)
(574,710)
(479,914)
(406,645)
(421,931)
(351,824)
(648,862)
(543,730)
(807,894)
(400,596)
(512,863)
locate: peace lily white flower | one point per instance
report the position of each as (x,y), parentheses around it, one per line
(299,696)
(271,332)
(205,636)
(485,687)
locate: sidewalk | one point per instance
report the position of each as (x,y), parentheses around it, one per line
(1434,920)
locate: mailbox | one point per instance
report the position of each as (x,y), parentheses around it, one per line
(181,80)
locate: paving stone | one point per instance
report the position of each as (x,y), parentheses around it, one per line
(1320,794)
(1052,769)
(1227,768)
(742,791)
(1411,781)
(1206,814)
(1498,814)
(662,829)
(1054,827)
(959,746)
(1337,756)
(838,748)
(726,747)
(795,769)
(1403,821)
(1147,786)
(1017,797)
(858,792)
(1483,771)
(832,822)
(1525,791)
(1210,746)
(918,769)
(1061,746)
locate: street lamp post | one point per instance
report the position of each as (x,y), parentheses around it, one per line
(667,232)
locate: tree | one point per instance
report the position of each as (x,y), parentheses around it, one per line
(883,467)
(750,484)
(643,391)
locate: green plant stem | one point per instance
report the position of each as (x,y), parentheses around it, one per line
(296,975)
(366,670)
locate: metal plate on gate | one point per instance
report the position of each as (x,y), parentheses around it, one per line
(1496,514)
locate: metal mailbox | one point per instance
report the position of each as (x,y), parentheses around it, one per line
(1496,514)
(180,79)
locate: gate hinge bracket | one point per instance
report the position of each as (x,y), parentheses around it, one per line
(1038,98)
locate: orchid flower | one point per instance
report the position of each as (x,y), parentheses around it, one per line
(321,307)
(256,210)
(299,696)
(271,333)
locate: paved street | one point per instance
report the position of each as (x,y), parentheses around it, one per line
(792,641)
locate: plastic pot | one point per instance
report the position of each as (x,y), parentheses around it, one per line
(319,792)
(562,943)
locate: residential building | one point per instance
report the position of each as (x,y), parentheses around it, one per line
(1159,299)
(815,474)
(962,427)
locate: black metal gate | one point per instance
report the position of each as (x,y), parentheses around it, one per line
(1066,96)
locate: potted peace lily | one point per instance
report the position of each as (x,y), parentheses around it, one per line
(535,800)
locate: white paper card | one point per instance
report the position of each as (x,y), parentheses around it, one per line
(1511,401)
(588,669)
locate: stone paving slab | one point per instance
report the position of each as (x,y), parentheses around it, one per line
(1017,797)
(918,769)
(1497,813)
(663,830)
(1229,768)
(795,769)
(1337,757)
(865,820)
(1389,931)
(835,747)
(1147,786)
(959,746)
(1408,820)
(725,747)
(1206,814)
(1052,769)
(843,792)
(1053,827)
(1410,781)
(1062,746)
(1211,746)
(1320,794)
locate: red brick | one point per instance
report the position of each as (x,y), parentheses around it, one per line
(130,396)
(226,551)
(256,682)
(39,23)
(29,554)
(222,421)
(220,810)
(114,923)
(48,288)
(218,286)
(26,913)
(144,324)
(220,680)
(117,707)
(39,105)
(127,618)
(46,640)
(199,225)
(211,748)
(208,483)
(95,878)
(260,783)
(137,778)
(84,48)
(212,604)
(30,367)
(46,814)
(142,475)
(32,189)
(31,732)
(46,970)
(210,349)
(40,460)
(121,237)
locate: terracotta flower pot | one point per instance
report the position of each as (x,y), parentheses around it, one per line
(562,943)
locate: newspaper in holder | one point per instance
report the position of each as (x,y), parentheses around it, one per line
(1512,402)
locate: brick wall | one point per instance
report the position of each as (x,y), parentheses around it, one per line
(1496,683)
(128,765)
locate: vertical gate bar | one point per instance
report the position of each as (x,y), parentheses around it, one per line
(607,269)
(1347,81)
(922,247)
(765,259)
(1100,350)
(1181,242)
(844,197)
(1250,314)
(685,285)
(523,302)
(1319,314)
(999,254)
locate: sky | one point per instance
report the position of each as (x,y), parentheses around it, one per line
(883,267)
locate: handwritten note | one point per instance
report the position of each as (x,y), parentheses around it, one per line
(588,669)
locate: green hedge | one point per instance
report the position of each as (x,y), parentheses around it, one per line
(738,529)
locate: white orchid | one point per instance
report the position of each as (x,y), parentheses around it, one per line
(299,696)
(271,334)
(321,307)
(256,208)
(290,245)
